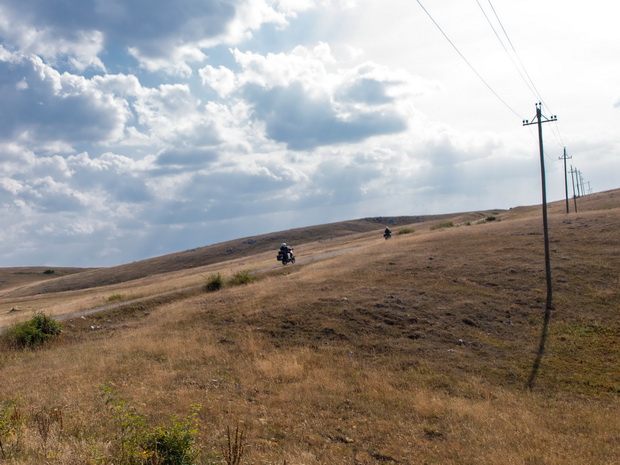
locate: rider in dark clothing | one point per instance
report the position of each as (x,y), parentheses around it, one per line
(286,250)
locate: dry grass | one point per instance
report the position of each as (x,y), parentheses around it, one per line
(413,350)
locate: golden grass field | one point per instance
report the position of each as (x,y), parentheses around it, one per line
(411,351)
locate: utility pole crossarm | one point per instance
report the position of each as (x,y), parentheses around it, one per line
(539,117)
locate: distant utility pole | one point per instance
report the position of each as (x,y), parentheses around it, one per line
(538,120)
(578,185)
(572,176)
(583,191)
(566,177)
(589,188)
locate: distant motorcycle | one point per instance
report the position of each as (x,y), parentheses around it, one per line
(286,256)
(387,235)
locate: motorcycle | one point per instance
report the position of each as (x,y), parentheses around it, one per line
(286,257)
(387,235)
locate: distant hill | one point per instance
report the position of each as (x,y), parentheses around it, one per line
(67,279)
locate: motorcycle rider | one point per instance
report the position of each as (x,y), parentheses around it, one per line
(387,233)
(286,250)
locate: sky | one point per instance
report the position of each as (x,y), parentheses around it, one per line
(131,129)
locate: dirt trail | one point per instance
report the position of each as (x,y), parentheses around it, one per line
(187,290)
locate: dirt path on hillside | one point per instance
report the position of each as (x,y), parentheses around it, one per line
(187,290)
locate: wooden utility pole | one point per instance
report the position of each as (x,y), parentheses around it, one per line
(565,178)
(549,304)
(572,176)
(538,120)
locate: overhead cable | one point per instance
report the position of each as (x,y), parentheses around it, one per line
(467,62)
(529,82)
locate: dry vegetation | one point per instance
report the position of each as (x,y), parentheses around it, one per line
(411,351)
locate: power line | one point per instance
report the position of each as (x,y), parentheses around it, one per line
(554,129)
(520,68)
(467,62)
(530,85)
(514,50)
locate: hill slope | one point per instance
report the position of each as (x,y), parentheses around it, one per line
(33,280)
(413,350)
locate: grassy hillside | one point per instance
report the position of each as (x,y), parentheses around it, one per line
(409,351)
(68,279)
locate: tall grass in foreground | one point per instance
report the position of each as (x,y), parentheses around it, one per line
(326,403)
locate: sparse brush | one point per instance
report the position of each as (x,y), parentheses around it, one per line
(214,283)
(11,424)
(242,277)
(46,420)
(405,231)
(139,443)
(448,224)
(235,446)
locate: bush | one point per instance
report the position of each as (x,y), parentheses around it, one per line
(174,444)
(405,231)
(139,443)
(214,283)
(449,224)
(242,277)
(115,297)
(491,218)
(11,422)
(34,332)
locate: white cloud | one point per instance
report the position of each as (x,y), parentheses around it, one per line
(220,79)
(307,99)
(51,107)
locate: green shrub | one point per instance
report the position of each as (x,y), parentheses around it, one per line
(115,297)
(214,283)
(491,218)
(448,224)
(49,272)
(139,443)
(34,332)
(242,277)
(405,231)
(11,422)
(174,444)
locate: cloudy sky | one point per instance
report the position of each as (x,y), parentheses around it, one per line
(134,128)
